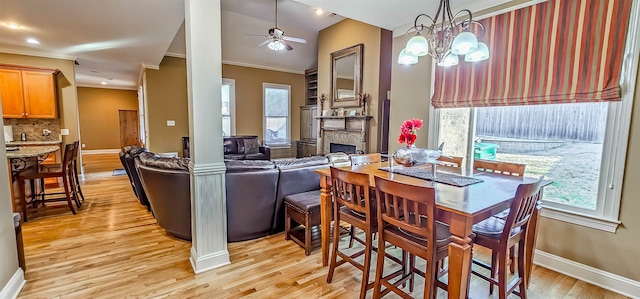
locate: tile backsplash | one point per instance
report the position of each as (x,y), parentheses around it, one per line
(33,128)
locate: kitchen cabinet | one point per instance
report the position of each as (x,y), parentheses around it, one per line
(28,93)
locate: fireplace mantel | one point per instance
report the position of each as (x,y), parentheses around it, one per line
(352,130)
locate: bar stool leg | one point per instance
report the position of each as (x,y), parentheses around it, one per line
(65,181)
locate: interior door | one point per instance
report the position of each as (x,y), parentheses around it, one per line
(129,128)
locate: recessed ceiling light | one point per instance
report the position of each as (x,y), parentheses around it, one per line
(319,11)
(103,83)
(32,40)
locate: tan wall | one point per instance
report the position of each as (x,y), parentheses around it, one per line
(249,97)
(342,35)
(167,100)
(99,116)
(67,97)
(616,253)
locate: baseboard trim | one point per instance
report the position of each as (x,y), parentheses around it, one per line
(606,280)
(102,151)
(209,261)
(13,287)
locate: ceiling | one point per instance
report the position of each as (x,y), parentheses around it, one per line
(109,39)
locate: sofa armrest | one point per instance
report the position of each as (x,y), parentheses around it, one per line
(266,151)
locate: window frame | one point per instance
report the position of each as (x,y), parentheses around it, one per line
(232,103)
(607,213)
(266,85)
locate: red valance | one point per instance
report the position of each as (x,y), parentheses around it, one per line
(554,52)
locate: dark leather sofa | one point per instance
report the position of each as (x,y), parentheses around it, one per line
(166,183)
(127,158)
(236,148)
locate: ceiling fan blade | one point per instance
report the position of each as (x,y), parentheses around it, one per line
(264,43)
(286,45)
(295,39)
(260,35)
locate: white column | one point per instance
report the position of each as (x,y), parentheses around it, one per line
(204,80)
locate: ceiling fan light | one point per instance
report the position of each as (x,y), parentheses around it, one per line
(450,60)
(407,59)
(276,45)
(480,54)
(417,45)
(465,42)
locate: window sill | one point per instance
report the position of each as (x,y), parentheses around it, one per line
(598,223)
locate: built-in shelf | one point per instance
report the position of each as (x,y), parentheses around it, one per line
(311,83)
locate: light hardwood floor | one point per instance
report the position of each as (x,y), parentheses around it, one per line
(114,249)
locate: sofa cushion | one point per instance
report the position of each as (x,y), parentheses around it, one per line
(133,150)
(307,202)
(153,160)
(230,146)
(301,162)
(234,157)
(251,146)
(257,156)
(248,165)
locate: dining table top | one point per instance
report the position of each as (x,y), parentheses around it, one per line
(488,197)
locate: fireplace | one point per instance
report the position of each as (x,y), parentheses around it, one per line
(342,148)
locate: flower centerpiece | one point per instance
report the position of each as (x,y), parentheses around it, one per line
(408,131)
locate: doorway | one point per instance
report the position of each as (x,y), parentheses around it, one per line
(129,128)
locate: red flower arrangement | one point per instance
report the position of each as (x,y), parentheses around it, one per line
(408,131)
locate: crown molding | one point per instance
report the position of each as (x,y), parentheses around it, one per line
(176,55)
(151,66)
(260,66)
(38,54)
(92,85)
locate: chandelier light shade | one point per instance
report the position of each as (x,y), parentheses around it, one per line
(450,60)
(444,39)
(417,45)
(406,58)
(480,54)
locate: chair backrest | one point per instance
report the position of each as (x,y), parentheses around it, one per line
(524,203)
(409,207)
(352,190)
(76,149)
(506,168)
(67,157)
(451,160)
(365,159)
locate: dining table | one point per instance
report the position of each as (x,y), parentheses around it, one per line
(458,207)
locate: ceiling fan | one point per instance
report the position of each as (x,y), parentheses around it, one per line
(276,40)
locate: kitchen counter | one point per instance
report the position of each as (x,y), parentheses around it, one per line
(33,142)
(32,151)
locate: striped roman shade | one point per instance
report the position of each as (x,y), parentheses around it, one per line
(559,51)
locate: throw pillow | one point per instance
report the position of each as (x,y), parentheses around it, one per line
(251,146)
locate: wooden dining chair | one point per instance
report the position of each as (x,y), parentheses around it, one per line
(406,217)
(451,160)
(74,170)
(64,172)
(501,236)
(352,204)
(504,168)
(365,159)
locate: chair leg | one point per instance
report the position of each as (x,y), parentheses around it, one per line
(494,266)
(67,194)
(412,265)
(368,248)
(429,279)
(352,235)
(502,274)
(380,266)
(307,235)
(75,174)
(23,200)
(287,224)
(521,269)
(336,240)
(74,191)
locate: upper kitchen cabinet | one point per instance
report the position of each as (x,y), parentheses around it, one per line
(28,93)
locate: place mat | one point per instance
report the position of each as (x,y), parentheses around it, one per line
(425,174)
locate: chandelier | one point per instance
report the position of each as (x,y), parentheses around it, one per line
(444,39)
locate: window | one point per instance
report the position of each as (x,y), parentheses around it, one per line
(277,100)
(571,144)
(228,107)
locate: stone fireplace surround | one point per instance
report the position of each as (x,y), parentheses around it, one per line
(349,130)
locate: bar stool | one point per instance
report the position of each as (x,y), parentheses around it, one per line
(64,172)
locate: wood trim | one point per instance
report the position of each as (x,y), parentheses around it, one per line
(29,68)
(12,289)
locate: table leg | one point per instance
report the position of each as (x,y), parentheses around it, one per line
(459,256)
(532,233)
(325,218)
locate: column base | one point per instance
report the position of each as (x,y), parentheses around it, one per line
(209,261)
